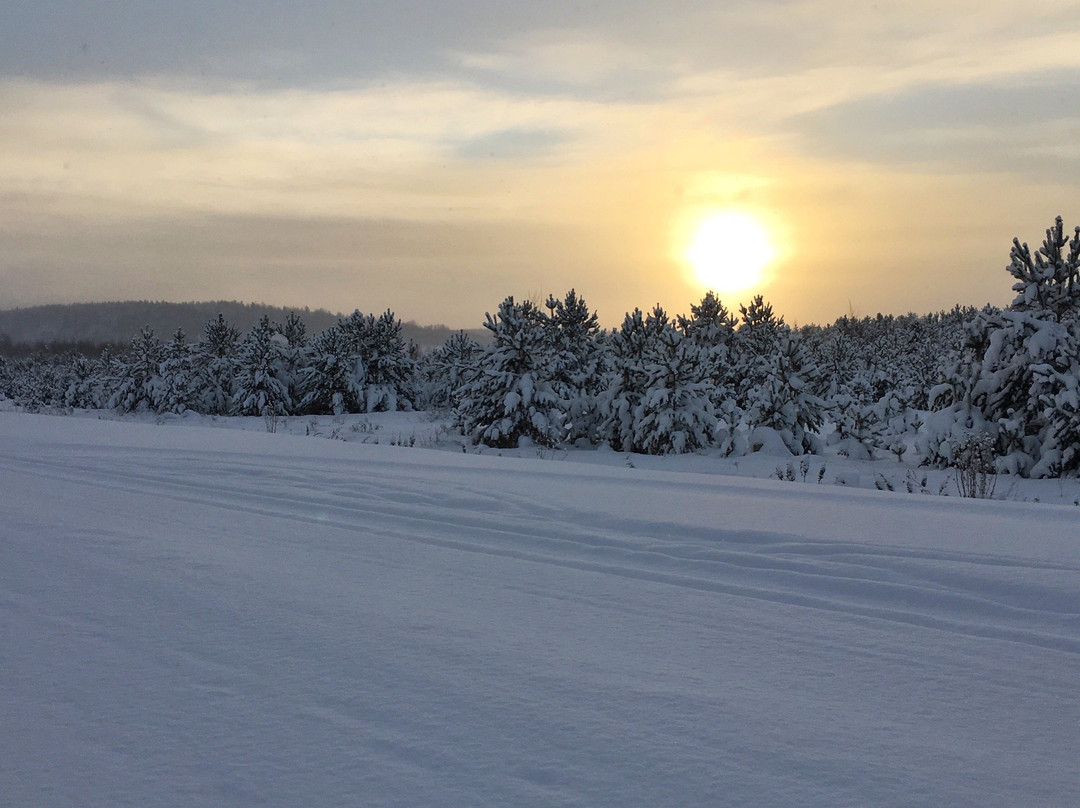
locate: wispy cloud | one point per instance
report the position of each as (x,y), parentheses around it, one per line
(1024,126)
(404,149)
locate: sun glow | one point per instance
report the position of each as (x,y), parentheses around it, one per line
(729,251)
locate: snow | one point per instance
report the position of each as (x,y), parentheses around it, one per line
(200,616)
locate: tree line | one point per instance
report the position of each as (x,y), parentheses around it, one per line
(88,327)
(922,387)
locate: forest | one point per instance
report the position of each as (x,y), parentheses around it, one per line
(990,389)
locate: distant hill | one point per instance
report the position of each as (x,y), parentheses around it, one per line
(118,322)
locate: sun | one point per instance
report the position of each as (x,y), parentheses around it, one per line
(729,250)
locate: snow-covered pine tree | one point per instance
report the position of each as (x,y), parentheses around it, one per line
(1061,451)
(756,341)
(445,370)
(757,338)
(107,371)
(759,328)
(177,390)
(18,379)
(21,383)
(923,345)
(711,327)
(573,361)
(37,382)
(847,356)
(779,380)
(82,386)
(954,417)
(390,367)
(1048,283)
(675,414)
(333,381)
(1028,362)
(786,401)
(355,330)
(1048,290)
(214,362)
(296,355)
(1018,373)
(836,351)
(295,331)
(138,383)
(262,383)
(625,379)
(510,397)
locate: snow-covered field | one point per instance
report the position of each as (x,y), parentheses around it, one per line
(199,616)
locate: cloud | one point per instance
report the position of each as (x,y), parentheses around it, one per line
(1027,125)
(553,62)
(161,145)
(410,148)
(513,144)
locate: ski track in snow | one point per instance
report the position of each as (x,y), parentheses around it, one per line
(949,591)
(368,625)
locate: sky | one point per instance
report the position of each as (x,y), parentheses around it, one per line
(433,158)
